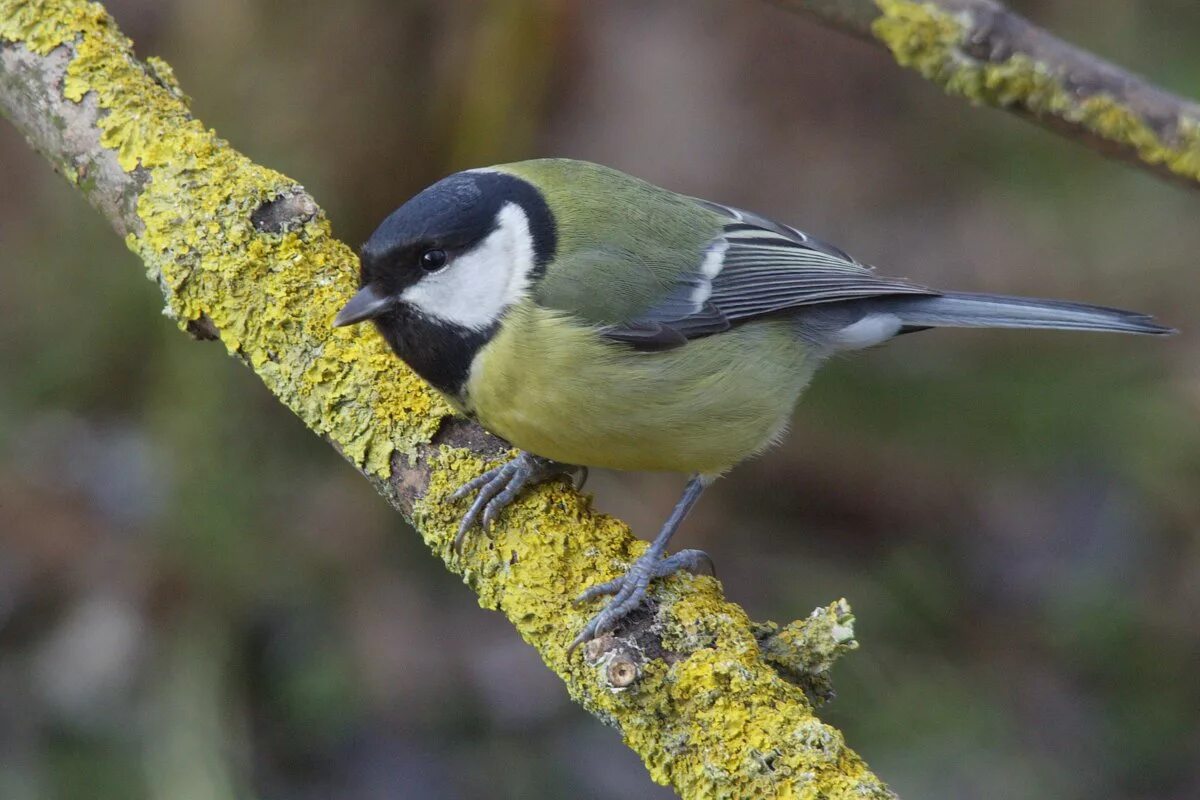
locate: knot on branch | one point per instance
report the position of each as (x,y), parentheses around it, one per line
(621,654)
(202,329)
(285,212)
(620,667)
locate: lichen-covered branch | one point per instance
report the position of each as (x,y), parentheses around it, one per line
(982,51)
(245,255)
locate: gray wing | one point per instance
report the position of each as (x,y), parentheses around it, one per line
(756,267)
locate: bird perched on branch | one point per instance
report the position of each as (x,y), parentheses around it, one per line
(593,319)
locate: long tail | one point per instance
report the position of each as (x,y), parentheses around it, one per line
(968,310)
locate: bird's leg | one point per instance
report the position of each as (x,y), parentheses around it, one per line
(500,485)
(629,590)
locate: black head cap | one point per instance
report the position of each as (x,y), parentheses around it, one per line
(453,215)
(447,220)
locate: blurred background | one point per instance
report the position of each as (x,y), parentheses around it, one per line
(199,599)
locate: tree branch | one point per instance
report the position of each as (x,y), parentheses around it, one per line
(980,50)
(245,255)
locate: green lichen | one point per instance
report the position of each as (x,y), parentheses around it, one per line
(716,723)
(931,40)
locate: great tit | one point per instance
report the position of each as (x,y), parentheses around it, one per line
(593,319)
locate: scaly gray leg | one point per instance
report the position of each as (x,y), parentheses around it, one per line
(500,486)
(629,590)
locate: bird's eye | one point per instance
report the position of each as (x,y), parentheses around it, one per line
(433,260)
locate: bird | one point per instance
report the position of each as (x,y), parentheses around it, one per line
(593,319)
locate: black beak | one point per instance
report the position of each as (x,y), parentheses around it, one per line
(367,303)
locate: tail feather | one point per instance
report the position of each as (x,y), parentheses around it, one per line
(969,310)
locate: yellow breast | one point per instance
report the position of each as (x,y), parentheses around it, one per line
(558,389)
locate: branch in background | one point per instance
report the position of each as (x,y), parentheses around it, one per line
(245,255)
(980,50)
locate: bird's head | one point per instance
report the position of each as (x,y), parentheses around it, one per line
(458,254)
(438,274)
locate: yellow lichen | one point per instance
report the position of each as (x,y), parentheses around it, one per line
(931,40)
(716,723)
(271,296)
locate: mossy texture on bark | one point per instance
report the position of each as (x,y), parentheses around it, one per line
(242,253)
(979,50)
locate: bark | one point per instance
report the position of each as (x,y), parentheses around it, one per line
(714,704)
(982,51)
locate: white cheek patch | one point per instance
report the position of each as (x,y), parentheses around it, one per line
(474,290)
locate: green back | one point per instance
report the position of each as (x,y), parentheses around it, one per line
(622,243)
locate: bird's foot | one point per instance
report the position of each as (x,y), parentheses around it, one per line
(500,485)
(629,590)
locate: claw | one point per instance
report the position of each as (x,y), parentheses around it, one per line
(497,488)
(629,591)
(599,590)
(487,490)
(579,478)
(474,484)
(696,562)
